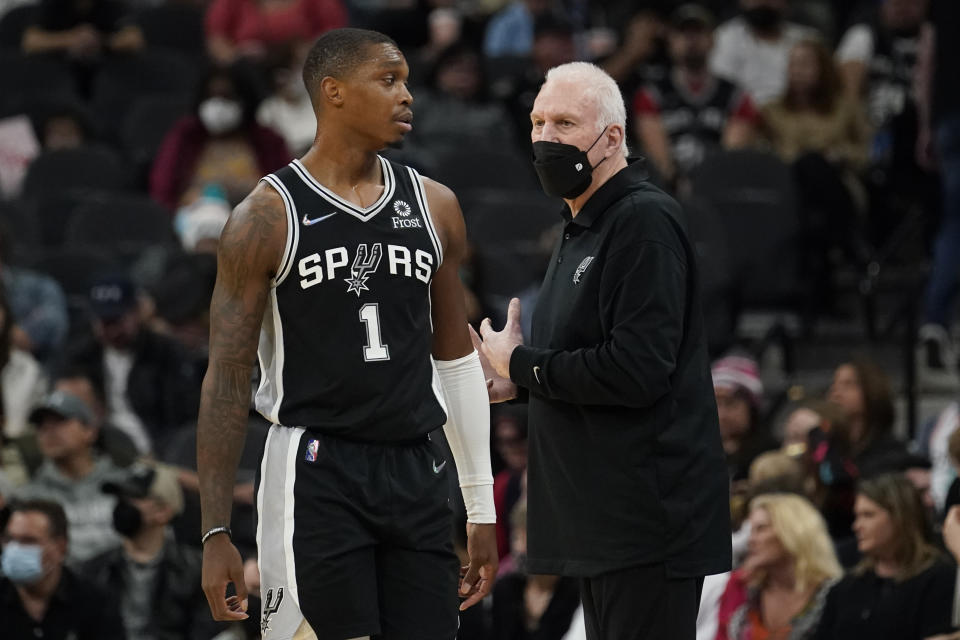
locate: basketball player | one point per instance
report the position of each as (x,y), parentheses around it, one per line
(345,266)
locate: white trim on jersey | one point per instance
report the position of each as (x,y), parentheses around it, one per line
(361,213)
(293,229)
(421,194)
(269,394)
(277,356)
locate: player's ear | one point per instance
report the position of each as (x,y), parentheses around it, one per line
(331,90)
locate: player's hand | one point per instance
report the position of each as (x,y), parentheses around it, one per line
(478,577)
(498,346)
(499,389)
(221,566)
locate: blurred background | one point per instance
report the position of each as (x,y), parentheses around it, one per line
(814,144)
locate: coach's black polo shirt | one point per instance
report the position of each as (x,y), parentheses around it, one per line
(626,466)
(77,611)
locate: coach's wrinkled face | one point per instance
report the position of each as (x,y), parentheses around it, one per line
(375,97)
(564,113)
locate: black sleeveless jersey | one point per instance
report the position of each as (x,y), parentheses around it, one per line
(345,346)
(694,123)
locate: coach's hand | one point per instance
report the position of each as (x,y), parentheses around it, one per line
(499,389)
(479,577)
(498,346)
(221,566)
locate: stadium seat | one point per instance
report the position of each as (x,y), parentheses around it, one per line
(506,229)
(755,197)
(12,25)
(22,233)
(28,78)
(122,223)
(718,292)
(145,126)
(75,268)
(56,172)
(177,27)
(122,80)
(461,169)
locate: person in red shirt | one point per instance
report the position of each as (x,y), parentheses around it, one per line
(239,28)
(689,113)
(220,144)
(780,591)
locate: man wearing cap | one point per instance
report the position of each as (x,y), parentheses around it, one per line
(689,113)
(71,473)
(150,388)
(155,580)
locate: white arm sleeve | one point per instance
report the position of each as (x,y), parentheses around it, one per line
(468,433)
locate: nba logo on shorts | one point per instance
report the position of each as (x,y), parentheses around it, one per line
(311,454)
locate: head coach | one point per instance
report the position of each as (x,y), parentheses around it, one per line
(628,486)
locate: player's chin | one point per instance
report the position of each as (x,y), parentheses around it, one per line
(396,140)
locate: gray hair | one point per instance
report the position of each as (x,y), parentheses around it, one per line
(601,88)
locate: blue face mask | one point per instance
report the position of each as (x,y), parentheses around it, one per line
(22,563)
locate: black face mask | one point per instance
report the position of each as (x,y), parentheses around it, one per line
(563,169)
(763,18)
(127,519)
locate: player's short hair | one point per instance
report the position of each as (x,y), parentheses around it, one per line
(339,52)
(603,89)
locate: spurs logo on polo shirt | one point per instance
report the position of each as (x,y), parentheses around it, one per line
(583,267)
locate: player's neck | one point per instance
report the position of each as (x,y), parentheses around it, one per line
(339,166)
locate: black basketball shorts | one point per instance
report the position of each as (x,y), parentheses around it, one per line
(355,538)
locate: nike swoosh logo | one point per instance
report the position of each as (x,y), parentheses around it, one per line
(309,221)
(536,374)
(438,469)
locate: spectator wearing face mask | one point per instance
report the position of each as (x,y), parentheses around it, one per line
(39,596)
(220,143)
(155,580)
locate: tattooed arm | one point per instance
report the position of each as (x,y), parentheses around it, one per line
(250,250)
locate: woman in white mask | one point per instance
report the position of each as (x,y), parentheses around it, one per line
(219,143)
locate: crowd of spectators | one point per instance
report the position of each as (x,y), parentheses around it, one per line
(158,116)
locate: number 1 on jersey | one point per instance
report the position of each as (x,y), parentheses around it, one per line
(374,350)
